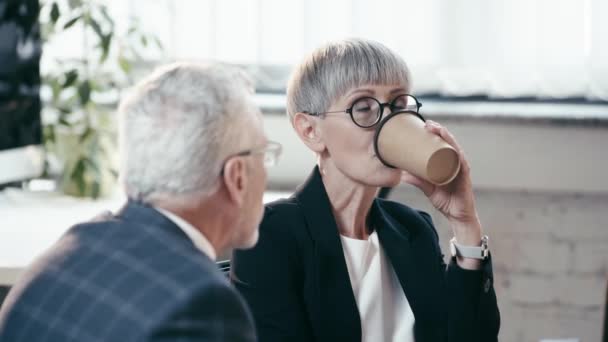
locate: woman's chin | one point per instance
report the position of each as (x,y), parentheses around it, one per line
(386,178)
(391,182)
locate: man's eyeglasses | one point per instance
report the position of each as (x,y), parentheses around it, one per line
(367,111)
(272,152)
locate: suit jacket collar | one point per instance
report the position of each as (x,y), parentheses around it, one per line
(197,237)
(152,219)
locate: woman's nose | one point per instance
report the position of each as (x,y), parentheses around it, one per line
(385,107)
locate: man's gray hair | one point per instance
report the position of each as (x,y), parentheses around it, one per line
(179,125)
(332,70)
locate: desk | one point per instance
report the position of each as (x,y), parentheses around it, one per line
(30,222)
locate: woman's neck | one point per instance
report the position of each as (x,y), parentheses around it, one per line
(349,200)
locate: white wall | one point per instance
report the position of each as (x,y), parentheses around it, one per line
(505,152)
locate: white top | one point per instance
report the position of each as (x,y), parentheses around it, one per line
(385,312)
(198,239)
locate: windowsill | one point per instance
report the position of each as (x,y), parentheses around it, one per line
(542,112)
(510,146)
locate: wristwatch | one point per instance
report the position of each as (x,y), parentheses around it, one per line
(473,252)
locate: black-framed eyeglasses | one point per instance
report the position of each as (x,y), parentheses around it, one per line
(367,111)
(272,152)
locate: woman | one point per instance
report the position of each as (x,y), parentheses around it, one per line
(336,263)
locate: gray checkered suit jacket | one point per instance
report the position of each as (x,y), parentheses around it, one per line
(130,277)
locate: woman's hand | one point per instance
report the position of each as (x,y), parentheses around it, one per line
(454,200)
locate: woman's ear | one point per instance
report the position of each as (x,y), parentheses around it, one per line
(308,130)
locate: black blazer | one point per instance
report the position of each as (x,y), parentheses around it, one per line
(296,282)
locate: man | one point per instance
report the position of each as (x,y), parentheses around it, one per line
(193,154)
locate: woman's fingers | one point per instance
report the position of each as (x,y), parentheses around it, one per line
(426,187)
(443,132)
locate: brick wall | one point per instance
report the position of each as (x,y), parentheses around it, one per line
(550,255)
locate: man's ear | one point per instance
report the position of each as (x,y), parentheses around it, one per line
(307,128)
(235,180)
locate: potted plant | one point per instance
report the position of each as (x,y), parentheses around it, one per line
(82,92)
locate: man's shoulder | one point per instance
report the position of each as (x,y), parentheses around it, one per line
(112,303)
(110,253)
(141,247)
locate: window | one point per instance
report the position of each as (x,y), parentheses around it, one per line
(500,49)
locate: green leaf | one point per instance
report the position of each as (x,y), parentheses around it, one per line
(71,22)
(104,12)
(95,189)
(49,134)
(125,64)
(77,176)
(63,121)
(64,110)
(78,169)
(96,27)
(55,87)
(158,43)
(84,92)
(87,133)
(144,40)
(94,153)
(93,166)
(70,77)
(54,12)
(105,46)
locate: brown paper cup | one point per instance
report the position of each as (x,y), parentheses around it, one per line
(402,142)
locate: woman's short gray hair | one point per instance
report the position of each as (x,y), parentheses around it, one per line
(179,124)
(332,70)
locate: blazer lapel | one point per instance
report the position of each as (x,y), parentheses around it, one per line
(420,277)
(336,308)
